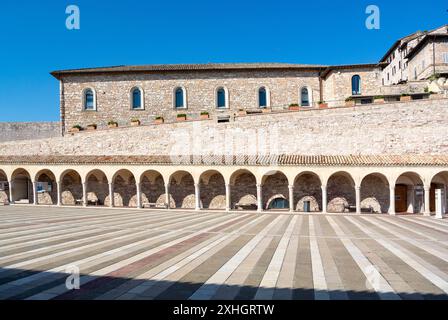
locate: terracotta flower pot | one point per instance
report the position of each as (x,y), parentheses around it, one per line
(111,126)
(405,98)
(74,130)
(180,119)
(350,103)
(242,112)
(159,121)
(381,100)
(135,123)
(294,108)
(91,128)
(205,116)
(323,105)
(266,110)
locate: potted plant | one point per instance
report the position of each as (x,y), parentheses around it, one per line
(75,128)
(349,102)
(322,105)
(405,97)
(242,112)
(159,120)
(135,122)
(112,124)
(92,127)
(181,117)
(205,115)
(378,99)
(266,110)
(294,107)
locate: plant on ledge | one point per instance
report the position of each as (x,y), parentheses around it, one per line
(405,97)
(205,115)
(294,107)
(181,117)
(76,128)
(159,120)
(378,99)
(322,105)
(242,112)
(135,122)
(350,102)
(92,127)
(112,124)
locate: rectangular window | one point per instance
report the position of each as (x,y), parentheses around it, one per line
(445,57)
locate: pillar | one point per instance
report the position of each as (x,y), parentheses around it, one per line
(358,199)
(427,201)
(197,196)
(291,198)
(324,199)
(392,201)
(11,184)
(260,197)
(139,195)
(58,190)
(228,197)
(84,194)
(111,195)
(443,200)
(167,196)
(35,199)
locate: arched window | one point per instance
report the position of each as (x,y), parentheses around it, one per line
(89,99)
(356,85)
(137,98)
(179,98)
(262,98)
(221,98)
(305,97)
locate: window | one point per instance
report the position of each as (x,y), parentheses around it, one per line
(137,98)
(89,99)
(180,98)
(304,97)
(221,98)
(262,98)
(356,85)
(388,76)
(445,57)
(415,73)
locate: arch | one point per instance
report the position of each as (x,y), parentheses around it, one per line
(375,195)
(307,192)
(341,192)
(356,85)
(222,98)
(409,193)
(4,188)
(97,188)
(182,190)
(244,189)
(22,189)
(125,189)
(275,186)
(137,98)
(153,188)
(213,190)
(306,96)
(439,181)
(46,185)
(180,98)
(89,99)
(71,188)
(264,97)
(277,202)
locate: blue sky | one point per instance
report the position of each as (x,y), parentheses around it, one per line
(35,41)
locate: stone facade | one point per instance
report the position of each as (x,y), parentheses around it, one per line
(16,131)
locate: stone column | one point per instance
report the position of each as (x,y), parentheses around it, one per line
(139,195)
(228,198)
(84,194)
(291,198)
(358,199)
(111,195)
(11,184)
(167,196)
(427,200)
(197,196)
(58,190)
(260,197)
(392,201)
(324,199)
(443,200)
(35,198)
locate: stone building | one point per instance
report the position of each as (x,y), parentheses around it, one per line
(302,138)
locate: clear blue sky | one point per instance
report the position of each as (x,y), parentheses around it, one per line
(35,41)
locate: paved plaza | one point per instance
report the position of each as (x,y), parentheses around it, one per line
(156,254)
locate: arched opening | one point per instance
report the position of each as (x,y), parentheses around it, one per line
(137,98)
(89,99)
(243,190)
(263,99)
(356,85)
(275,191)
(180,98)
(182,190)
(71,188)
(305,97)
(213,190)
(22,187)
(46,188)
(153,190)
(125,189)
(4,188)
(222,98)
(439,185)
(97,187)
(308,192)
(341,193)
(375,197)
(409,193)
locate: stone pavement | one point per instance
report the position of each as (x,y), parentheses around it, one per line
(156,254)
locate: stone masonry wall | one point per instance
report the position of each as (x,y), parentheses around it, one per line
(15,131)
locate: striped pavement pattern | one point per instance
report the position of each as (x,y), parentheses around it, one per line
(182,255)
